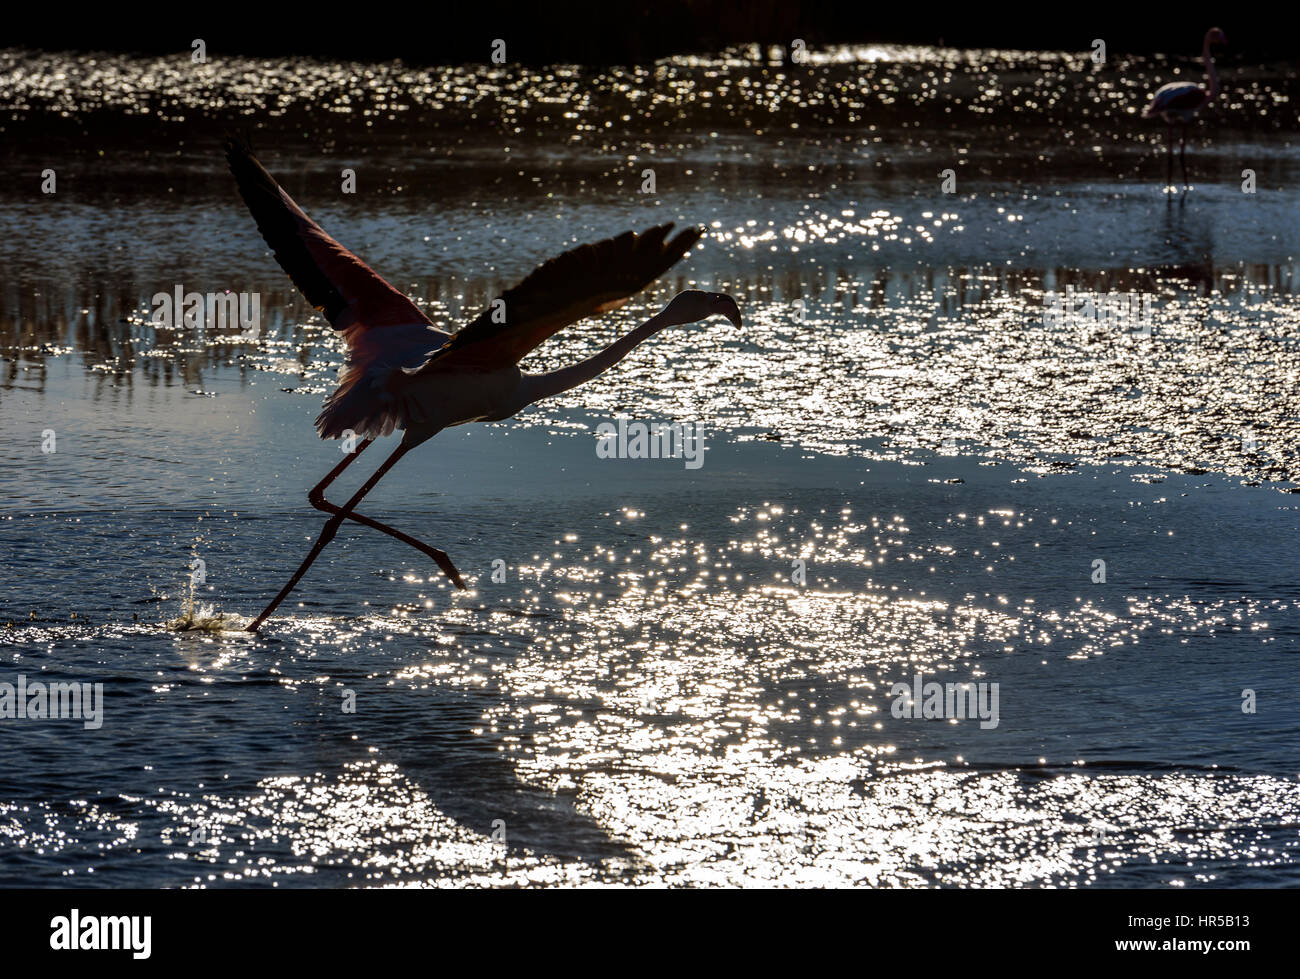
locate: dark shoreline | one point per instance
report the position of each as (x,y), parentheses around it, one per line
(589,32)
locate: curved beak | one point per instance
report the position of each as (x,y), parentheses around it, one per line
(725,305)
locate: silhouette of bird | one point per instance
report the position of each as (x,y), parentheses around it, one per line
(1178,104)
(402,372)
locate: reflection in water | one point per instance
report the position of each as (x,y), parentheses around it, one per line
(834,360)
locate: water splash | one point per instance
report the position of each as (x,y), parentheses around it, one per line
(206,618)
(196,617)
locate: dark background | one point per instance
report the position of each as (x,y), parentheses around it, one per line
(633,31)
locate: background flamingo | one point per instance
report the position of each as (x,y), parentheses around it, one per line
(1178,103)
(404,373)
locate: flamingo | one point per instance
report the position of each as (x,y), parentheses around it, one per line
(402,372)
(1178,103)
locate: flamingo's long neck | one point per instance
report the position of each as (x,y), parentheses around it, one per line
(1210,73)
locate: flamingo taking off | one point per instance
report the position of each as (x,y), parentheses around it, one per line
(403,372)
(1178,104)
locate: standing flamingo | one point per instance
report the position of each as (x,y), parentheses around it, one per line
(403,372)
(1178,103)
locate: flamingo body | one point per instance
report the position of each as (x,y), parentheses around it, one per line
(1177,102)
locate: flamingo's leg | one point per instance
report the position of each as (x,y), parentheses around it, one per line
(1182,154)
(319,489)
(1169,160)
(331,528)
(317,499)
(440,557)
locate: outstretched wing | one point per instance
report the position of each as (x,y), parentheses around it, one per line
(582,282)
(353,297)
(383,329)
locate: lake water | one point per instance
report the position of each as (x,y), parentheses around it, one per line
(676,676)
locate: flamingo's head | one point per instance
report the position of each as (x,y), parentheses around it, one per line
(1216,36)
(694,305)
